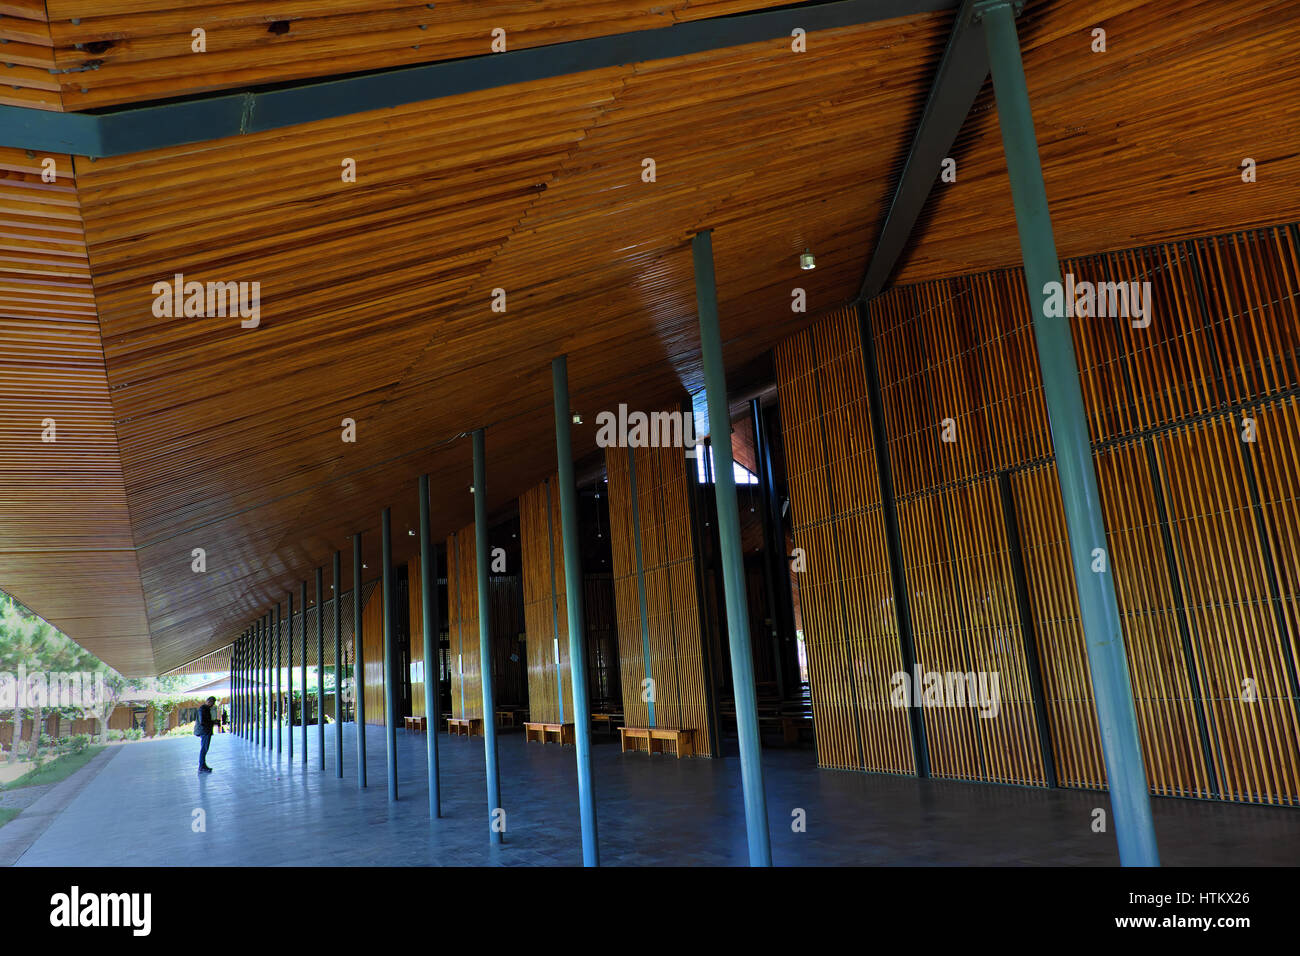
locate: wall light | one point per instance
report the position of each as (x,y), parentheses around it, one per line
(807,261)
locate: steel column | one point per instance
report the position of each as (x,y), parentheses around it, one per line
(390,692)
(732,557)
(320,663)
(485,635)
(236,685)
(336,570)
(266,682)
(302,593)
(769,541)
(264,673)
(430,617)
(358,660)
(257,682)
(279,700)
(570,533)
(1113,693)
(288,694)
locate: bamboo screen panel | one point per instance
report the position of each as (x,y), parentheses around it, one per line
(462,618)
(541,542)
(676,662)
(849,627)
(945,352)
(372,642)
(1202,525)
(416,598)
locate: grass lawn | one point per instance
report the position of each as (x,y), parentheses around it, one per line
(7,814)
(57,769)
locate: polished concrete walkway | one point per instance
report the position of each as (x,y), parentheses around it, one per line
(261,810)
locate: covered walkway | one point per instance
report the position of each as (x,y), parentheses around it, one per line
(139,810)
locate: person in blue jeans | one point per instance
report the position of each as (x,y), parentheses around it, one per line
(203,730)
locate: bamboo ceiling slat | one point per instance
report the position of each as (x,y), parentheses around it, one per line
(231,437)
(142,51)
(66,543)
(1137,148)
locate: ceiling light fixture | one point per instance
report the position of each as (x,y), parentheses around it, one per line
(577,419)
(807,261)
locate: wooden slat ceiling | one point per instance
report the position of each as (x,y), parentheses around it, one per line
(1140,144)
(76,55)
(65,532)
(376,295)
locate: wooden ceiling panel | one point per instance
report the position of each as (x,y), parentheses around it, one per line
(66,547)
(376,296)
(143,51)
(1140,144)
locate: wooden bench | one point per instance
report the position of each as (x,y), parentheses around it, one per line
(544,733)
(611,721)
(465,726)
(505,718)
(684,740)
(417,725)
(793,725)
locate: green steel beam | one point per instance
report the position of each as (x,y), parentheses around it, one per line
(116,132)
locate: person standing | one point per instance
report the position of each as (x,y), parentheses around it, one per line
(203,730)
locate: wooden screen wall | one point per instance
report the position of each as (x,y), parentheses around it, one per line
(1202,525)
(542,546)
(462,619)
(850,630)
(675,662)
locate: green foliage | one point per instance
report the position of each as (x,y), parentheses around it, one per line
(54,770)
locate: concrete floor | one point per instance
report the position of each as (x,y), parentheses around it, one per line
(264,811)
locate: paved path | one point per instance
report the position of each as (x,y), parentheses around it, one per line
(49,801)
(261,810)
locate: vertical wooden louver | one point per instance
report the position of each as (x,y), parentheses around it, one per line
(1196,435)
(542,547)
(667,558)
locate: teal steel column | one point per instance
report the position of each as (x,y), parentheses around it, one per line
(320,663)
(288,691)
(573,605)
(302,593)
(733,562)
(257,682)
(390,694)
(648,683)
(1125,771)
(336,572)
(485,636)
(430,618)
(358,662)
(266,680)
(279,701)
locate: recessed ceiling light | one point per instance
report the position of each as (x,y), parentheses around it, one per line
(807,261)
